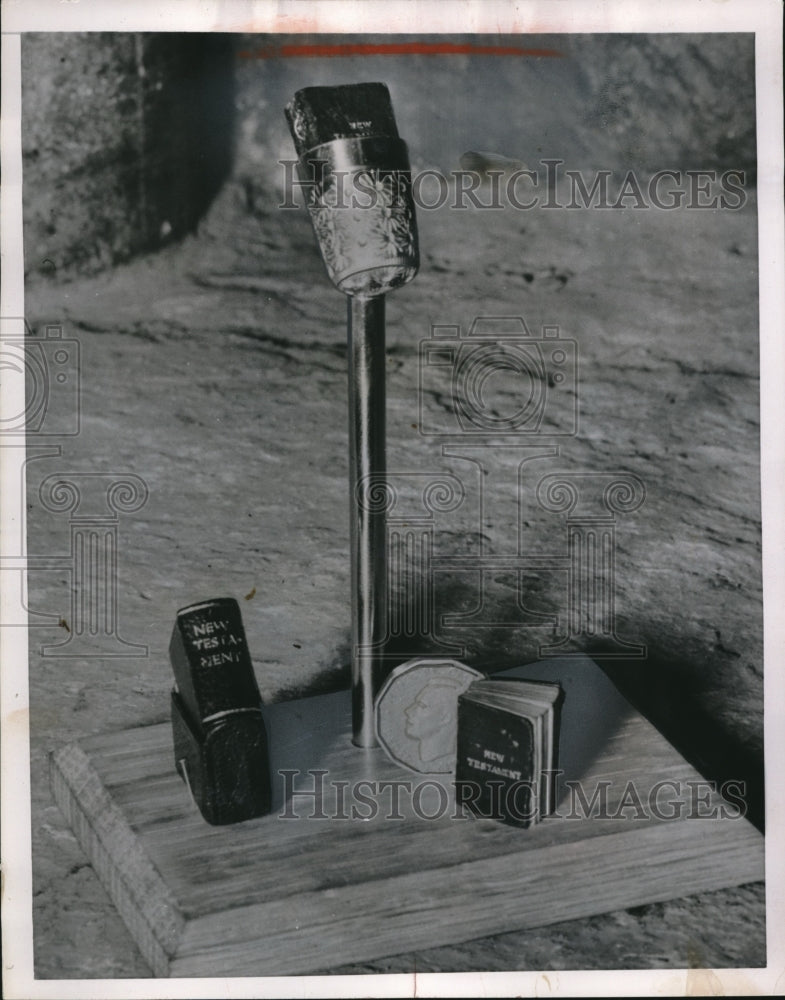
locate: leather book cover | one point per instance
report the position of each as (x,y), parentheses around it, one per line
(495,769)
(220,740)
(320,114)
(507,749)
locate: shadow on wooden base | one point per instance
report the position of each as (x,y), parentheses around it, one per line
(360,859)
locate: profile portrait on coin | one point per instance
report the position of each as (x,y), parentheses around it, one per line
(431,720)
(417,713)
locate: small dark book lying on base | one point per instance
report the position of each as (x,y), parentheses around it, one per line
(220,741)
(507,753)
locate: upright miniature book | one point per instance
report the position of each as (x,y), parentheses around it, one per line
(507,749)
(220,741)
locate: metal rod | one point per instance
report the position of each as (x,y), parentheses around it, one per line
(368,521)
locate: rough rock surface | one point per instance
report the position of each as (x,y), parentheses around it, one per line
(127,137)
(215,371)
(126,140)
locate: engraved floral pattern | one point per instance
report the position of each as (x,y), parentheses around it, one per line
(364,223)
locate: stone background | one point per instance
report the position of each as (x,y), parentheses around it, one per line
(213,367)
(128,137)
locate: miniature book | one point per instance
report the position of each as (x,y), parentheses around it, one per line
(507,749)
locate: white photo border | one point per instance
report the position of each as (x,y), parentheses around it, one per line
(764,18)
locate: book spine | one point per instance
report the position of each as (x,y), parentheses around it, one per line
(220,740)
(211,661)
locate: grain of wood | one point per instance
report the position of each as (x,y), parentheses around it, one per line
(285,896)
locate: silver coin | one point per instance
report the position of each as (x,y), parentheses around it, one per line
(416,713)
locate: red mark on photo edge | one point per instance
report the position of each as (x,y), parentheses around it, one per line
(390,49)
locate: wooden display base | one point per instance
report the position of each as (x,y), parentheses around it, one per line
(313,886)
